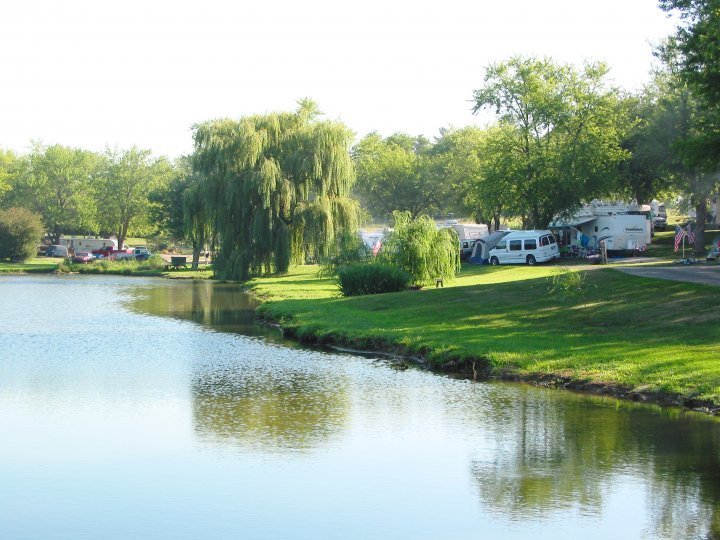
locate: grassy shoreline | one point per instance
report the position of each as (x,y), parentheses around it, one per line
(37,265)
(632,337)
(48,265)
(628,336)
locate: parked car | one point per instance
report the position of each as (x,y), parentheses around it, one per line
(528,247)
(142,253)
(83,257)
(57,251)
(121,255)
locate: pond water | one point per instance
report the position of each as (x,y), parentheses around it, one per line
(145,408)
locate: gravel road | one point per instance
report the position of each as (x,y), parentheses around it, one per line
(707,274)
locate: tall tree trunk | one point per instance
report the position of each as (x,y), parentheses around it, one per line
(122,233)
(535,216)
(700,218)
(196,254)
(56,234)
(496,220)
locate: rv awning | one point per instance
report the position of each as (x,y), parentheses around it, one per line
(571,222)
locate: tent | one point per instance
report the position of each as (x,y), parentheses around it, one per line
(481,250)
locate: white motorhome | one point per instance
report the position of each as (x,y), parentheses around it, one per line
(525,247)
(622,226)
(89,243)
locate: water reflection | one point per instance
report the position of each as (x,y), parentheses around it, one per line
(273,410)
(224,307)
(553,455)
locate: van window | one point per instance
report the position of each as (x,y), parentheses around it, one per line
(515,245)
(465,244)
(531,244)
(544,241)
(501,245)
(552,239)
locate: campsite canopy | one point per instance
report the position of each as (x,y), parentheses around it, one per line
(481,250)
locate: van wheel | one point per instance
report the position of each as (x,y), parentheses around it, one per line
(494,261)
(530,260)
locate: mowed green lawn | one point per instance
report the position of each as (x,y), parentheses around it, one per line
(38,264)
(647,334)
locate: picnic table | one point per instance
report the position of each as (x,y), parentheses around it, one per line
(177,261)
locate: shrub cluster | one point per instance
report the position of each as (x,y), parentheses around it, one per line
(127,267)
(374,278)
(20,234)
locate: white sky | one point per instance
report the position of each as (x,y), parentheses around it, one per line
(121,73)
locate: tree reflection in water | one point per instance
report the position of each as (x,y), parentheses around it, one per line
(275,411)
(550,458)
(224,307)
(268,403)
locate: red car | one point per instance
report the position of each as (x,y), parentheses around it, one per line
(83,257)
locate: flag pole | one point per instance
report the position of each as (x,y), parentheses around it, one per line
(683,241)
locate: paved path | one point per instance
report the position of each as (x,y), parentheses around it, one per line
(708,274)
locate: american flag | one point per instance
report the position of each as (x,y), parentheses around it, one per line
(378,245)
(679,233)
(690,234)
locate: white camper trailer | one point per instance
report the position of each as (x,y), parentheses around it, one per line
(468,233)
(622,226)
(87,243)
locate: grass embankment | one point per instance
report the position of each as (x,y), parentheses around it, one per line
(41,265)
(640,334)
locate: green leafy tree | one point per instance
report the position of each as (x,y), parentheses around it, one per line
(692,56)
(397,173)
(648,140)
(421,249)
(178,208)
(562,133)
(58,185)
(276,188)
(166,209)
(20,233)
(682,116)
(696,43)
(11,167)
(478,170)
(124,189)
(348,250)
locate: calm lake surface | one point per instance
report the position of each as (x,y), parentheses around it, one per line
(145,408)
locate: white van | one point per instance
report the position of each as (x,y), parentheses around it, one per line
(56,250)
(525,247)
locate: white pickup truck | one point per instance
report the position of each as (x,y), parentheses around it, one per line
(140,253)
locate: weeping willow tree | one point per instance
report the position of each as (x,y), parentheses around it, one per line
(421,249)
(196,222)
(275,188)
